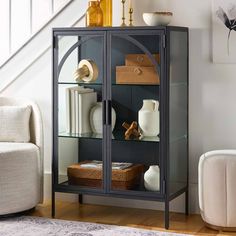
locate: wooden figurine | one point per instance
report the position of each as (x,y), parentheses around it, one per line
(131,130)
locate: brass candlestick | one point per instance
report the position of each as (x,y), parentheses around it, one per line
(131,10)
(123,13)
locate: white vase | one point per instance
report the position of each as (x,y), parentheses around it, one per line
(96,122)
(148,118)
(152,178)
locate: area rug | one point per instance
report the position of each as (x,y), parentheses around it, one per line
(38,226)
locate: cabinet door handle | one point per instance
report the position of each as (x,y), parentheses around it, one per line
(104,112)
(109,112)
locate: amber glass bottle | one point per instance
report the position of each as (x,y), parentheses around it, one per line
(94,14)
(106,6)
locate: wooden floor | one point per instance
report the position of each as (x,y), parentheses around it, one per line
(146,219)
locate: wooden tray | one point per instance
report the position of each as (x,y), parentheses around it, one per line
(127,174)
(140,60)
(97,183)
(137,75)
(92,177)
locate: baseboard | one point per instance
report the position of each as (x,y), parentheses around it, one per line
(177,205)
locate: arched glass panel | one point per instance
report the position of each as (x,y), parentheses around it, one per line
(80,111)
(135,70)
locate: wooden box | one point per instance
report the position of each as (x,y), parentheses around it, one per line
(140,60)
(92,177)
(137,75)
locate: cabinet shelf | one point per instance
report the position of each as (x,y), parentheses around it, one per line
(99,84)
(76,83)
(139,188)
(114,84)
(117,135)
(85,136)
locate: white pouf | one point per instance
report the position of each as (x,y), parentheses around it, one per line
(217,189)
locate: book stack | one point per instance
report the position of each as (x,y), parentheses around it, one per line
(98,165)
(79,101)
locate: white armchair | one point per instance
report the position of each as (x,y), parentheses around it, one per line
(21,164)
(217,189)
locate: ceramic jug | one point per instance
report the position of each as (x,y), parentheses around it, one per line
(148,118)
(96,118)
(152,178)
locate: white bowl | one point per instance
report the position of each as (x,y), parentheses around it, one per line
(157,18)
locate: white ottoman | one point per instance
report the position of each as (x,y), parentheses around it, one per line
(217,189)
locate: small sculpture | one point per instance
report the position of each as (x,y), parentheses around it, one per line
(131,130)
(87,71)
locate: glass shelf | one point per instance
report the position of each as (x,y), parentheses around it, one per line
(114,84)
(178,138)
(117,135)
(85,136)
(177,84)
(79,83)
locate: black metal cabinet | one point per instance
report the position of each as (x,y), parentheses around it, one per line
(108,48)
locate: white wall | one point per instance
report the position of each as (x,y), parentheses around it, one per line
(212,90)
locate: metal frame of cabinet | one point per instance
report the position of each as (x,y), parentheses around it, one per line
(164,34)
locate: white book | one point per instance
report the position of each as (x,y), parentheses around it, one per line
(86,102)
(81,89)
(115,165)
(77,91)
(76,111)
(72,109)
(68,111)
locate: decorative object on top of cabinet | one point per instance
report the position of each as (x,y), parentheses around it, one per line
(124,179)
(148,118)
(152,178)
(96,118)
(140,60)
(106,6)
(123,14)
(157,18)
(131,11)
(131,130)
(87,71)
(94,14)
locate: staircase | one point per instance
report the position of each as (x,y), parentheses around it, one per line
(21,20)
(27,32)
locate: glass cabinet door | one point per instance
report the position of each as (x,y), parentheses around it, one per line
(78,103)
(178,111)
(134,65)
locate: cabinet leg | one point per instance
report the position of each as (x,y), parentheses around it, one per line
(53,204)
(186,203)
(167,217)
(80,199)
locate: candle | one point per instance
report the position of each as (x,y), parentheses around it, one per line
(130,3)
